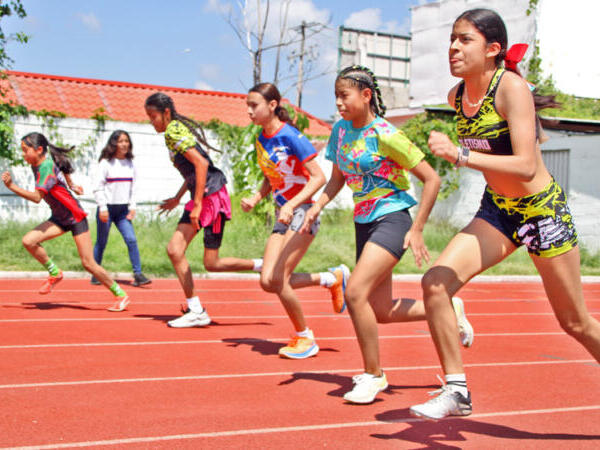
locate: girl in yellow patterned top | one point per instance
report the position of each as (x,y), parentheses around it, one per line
(522,205)
(208,208)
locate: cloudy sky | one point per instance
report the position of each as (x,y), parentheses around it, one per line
(189,43)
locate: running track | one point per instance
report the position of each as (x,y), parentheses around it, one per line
(75,375)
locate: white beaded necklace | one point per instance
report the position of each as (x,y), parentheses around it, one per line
(468,102)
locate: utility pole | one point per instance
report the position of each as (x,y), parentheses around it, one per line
(302,30)
(301,63)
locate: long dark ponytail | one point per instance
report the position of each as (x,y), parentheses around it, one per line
(58,154)
(161,102)
(491,25)
(270,92)
(363,78)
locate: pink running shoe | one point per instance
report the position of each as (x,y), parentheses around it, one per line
(50,282)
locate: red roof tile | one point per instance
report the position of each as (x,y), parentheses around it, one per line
(82,97)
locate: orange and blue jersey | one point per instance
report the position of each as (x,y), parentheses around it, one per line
(51,182)
(281,157)
(375,161)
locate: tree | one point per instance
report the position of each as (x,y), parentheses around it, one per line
(251,21)
(8,8)
(9,110)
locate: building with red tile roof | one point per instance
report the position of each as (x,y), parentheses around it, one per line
(85,97)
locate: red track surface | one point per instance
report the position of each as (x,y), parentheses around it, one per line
(75,375)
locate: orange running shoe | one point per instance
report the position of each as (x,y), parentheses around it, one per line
(120,304)
(50,282)
(338,289)
(300,347)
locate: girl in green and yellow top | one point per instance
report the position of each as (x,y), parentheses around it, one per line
(208,208)
(522,204)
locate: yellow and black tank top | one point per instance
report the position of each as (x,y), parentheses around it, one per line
(486,131)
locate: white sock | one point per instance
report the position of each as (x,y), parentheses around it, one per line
(305,333)
(258,263)
(458,382)
(328,279)
(194,304)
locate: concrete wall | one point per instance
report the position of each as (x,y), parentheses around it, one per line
(158,179)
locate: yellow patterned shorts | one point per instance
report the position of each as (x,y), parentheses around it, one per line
(542,222)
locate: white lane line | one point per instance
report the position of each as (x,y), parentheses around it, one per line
(217,318)
(423,335)
(272,374)
(326,426)
(249,301)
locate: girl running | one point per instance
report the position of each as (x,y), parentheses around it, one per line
(291,173)
(522,204)
(67,214)
(115,194)
(209,207)
(373,158)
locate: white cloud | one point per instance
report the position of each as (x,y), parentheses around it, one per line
(370,19)
(217,6)
(202,85)
(90,21)
(367,19)
(210,71)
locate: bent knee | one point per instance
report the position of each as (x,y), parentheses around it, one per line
(175,252)
(89,264)
(29,241)
(212,262)
(578,329)
(382,317)
(270,284)
(439,280)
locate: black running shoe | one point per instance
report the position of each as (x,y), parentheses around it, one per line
(139,279)
(95,281)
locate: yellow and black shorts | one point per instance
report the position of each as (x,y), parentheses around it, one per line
(542,222)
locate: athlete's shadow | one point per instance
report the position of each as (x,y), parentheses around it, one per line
(50,305)
(344,383)
(433,434)
(165,318)
(262,346)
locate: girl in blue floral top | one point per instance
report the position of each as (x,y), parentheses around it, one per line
(374,158)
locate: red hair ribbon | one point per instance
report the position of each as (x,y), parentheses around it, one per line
(514,55)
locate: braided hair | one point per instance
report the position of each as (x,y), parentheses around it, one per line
(58,154)
(363,78)
(161,102)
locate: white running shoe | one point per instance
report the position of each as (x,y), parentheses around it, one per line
(447,403)
(190,319)
(366,388)
(464,326)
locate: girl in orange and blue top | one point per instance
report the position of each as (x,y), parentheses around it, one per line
(291,173)
(67,215)
(499,134)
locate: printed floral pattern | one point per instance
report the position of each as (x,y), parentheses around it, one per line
(374,160)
